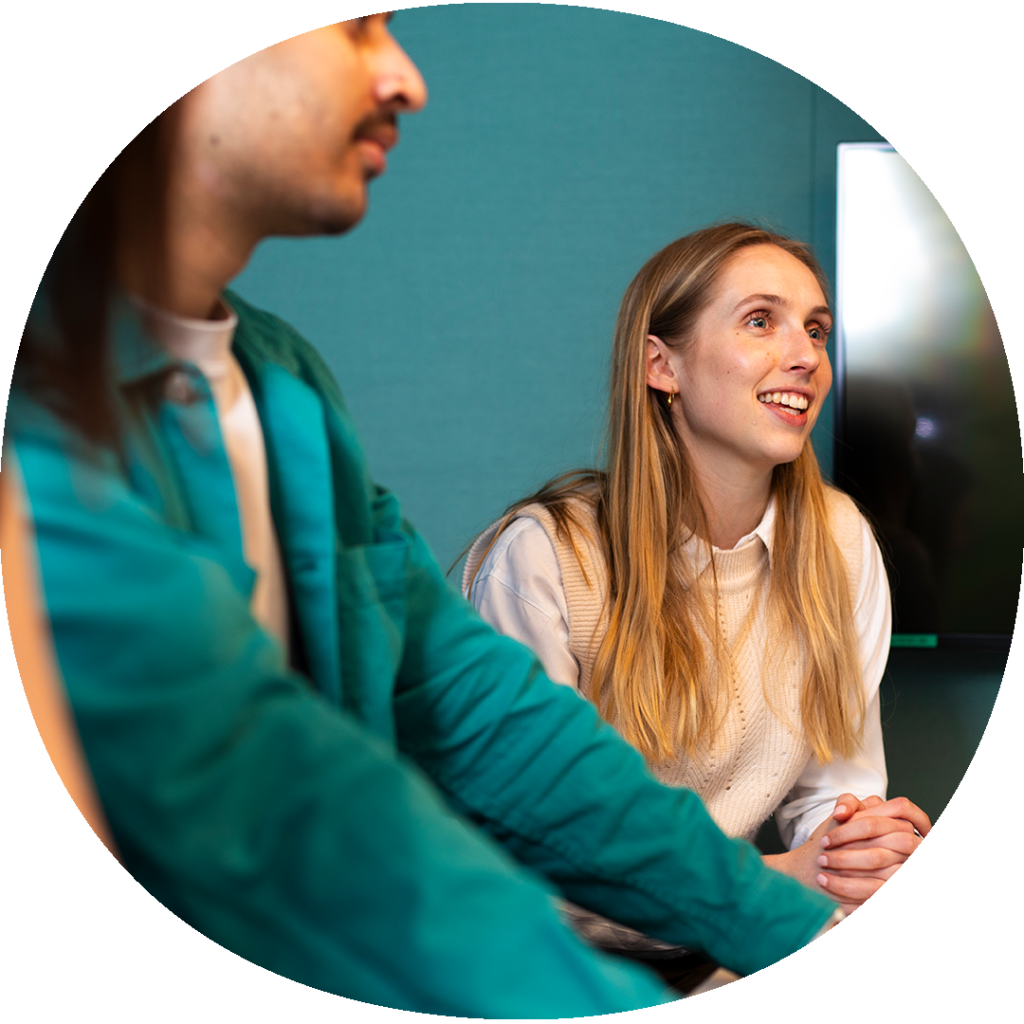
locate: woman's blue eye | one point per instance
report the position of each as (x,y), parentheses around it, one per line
(818,333)
(758,321)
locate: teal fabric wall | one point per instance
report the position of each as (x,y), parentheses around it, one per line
(469,318)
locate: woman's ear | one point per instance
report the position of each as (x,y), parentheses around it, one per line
(661,374)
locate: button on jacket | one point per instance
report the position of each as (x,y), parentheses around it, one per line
(392,822)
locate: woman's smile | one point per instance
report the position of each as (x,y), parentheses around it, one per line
(790,406)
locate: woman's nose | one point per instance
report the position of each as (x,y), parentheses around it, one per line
(802,351)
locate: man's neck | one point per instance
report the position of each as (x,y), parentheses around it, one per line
(185,272)
(184,289)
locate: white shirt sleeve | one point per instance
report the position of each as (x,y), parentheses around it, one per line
(518,590)
(811,800)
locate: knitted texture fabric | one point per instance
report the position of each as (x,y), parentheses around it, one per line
(745,768)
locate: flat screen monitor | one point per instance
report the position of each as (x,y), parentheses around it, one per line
(927,436)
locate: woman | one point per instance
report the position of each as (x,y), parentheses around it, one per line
(722,606)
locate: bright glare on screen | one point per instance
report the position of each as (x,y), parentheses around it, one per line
(906,281)
(928,440)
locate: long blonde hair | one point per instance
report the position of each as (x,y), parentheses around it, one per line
(653,675)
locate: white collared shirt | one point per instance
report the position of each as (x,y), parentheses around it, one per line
(519,591)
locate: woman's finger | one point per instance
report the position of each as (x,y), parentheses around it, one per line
(874,858)
(848,890)
(899,807)
(861,828)
(846,805)
(899,842)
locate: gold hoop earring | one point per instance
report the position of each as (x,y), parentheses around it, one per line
(670,395)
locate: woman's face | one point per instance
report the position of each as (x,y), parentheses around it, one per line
(752,380)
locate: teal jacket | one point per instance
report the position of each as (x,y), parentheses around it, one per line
(394,822)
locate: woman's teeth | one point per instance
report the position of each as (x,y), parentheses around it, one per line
(796,404)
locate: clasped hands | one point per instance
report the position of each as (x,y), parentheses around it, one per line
(850,855)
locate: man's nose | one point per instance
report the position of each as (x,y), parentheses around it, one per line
(399,82)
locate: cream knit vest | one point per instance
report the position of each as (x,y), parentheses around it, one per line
(746,769)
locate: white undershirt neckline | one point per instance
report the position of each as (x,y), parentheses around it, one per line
(207,345)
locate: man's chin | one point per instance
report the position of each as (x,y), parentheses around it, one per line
(336,218)
(314,229)
(326,214)
(337,226)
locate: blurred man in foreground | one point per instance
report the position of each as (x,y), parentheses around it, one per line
(305,742)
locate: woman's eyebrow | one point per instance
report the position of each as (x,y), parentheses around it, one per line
(771,300)
(778,300)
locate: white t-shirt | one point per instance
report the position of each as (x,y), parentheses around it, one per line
(207,345)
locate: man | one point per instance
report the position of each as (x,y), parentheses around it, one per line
(305,742)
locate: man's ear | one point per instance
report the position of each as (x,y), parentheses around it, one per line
(661,374)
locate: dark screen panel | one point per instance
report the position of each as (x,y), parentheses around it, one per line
(927,429)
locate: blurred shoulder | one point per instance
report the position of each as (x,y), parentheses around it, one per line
(848,525)
(265,338)
(843,512)
(265,334)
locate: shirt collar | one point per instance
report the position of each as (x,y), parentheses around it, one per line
(138,330)
(700,554)
(765,529)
